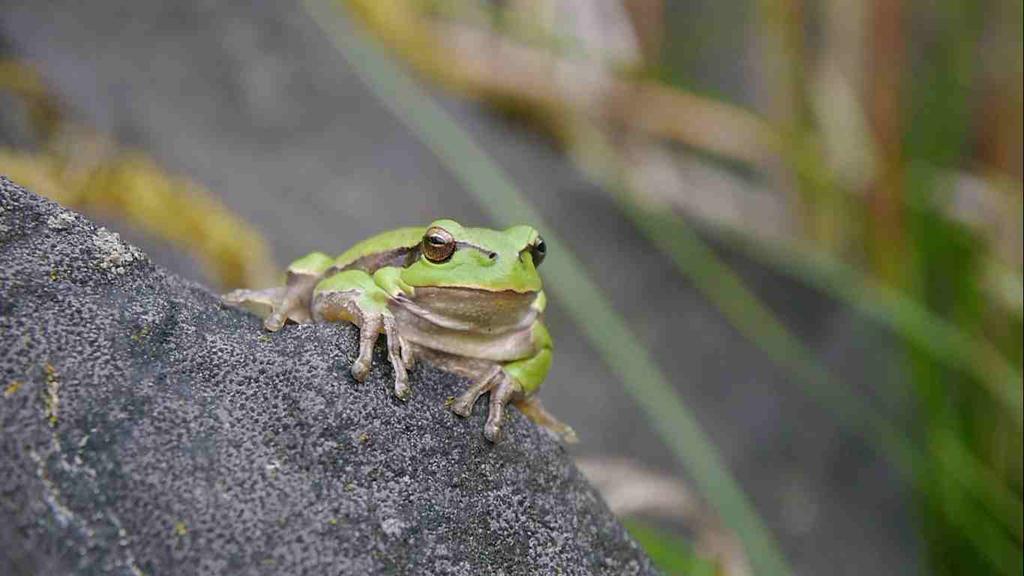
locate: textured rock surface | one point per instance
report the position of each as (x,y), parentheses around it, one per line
(147,428)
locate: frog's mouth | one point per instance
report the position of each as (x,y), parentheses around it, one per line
(472,309)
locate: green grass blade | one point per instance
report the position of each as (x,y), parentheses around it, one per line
(607,331)
(745,311)
(938,337)
(670,554)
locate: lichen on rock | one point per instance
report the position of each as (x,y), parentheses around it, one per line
(114,254)
(61,220)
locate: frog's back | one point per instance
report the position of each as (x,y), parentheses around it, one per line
(379,246)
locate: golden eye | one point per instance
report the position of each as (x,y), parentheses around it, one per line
(538,251)
(438,244)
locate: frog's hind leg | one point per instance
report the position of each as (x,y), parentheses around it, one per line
(289,302)
(532,408)
(504,389)
(514,381)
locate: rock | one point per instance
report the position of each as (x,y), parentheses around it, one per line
(148,429)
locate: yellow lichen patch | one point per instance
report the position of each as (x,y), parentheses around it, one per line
(86,171)
(180,529)
(50,398)
(141,334)
(12,389)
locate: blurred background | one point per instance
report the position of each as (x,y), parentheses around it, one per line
(785,236)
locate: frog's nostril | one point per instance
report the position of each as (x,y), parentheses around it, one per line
(492,255)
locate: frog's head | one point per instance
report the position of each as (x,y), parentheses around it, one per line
(452,256)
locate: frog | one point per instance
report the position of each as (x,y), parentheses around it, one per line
(468,300)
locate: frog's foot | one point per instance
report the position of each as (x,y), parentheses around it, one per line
(532,408)
(369,329)
(277,305)
(332,306)
(502,388)
(289,302)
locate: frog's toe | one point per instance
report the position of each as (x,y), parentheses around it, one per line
(288,310)
(402,389)
(397,357)
(360,369)
(500,397)
(369,329)
(260,302)
(408,354)
(275,321)
(235,297)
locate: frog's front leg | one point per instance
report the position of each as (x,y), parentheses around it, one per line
(355,296)
(289,302)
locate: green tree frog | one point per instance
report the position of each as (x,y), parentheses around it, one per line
(469,300)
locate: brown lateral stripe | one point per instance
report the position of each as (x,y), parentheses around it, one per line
(399,257)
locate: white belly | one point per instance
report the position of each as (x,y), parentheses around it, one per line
(495,326)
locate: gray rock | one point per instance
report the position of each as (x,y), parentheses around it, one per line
(146,428)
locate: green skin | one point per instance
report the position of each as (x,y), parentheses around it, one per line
(477,312)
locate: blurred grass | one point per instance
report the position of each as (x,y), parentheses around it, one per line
(926,287)
(941,339)
(606,330)
(673,556)
(755,320)
(85,171)
(946,261)
(972,480)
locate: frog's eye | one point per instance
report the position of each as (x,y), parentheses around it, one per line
(438,244)
(538,250)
